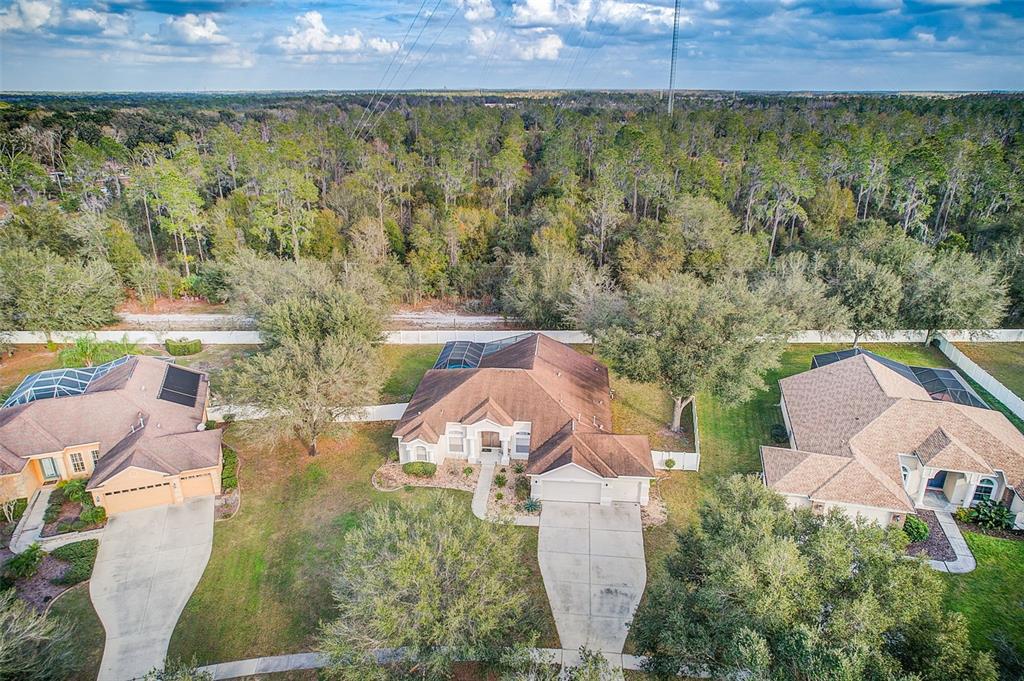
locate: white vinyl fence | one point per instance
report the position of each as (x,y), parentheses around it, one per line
(374,412)
(983,378)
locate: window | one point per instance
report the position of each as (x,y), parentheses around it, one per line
(906,473)
(420,453)
(522,443)
(77,464)
(984,490)
(95,456)
(456,442)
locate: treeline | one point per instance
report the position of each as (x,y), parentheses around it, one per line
(895,210)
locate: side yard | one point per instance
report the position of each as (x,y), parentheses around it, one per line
(1005,361)
(266,587)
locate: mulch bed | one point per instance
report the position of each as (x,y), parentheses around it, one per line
(1012,535)
(936,546)
(226,505)
(655,512)
(508,506)
(69,511)
(38,589)
(390,477)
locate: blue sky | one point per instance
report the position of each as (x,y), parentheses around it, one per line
(754,44)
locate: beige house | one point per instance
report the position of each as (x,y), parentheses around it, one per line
(881,439)
(134,428)
(529,399)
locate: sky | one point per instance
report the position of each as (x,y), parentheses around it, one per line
(184,45)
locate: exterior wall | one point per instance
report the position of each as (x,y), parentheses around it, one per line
(438,452)
(785,421)
(136,488)
(200,482)
(19,485)
(1017,506)
(406,451)
(879,515)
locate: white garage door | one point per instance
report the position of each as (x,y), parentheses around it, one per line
(571,491)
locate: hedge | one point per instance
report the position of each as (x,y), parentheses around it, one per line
(420,469)
(81,555)
(183,346)
(229,470)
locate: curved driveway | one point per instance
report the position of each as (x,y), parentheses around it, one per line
(147,566)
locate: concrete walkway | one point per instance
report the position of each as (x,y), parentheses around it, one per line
(482,491)
(592,561)
(31,524)
(148,564)
(964,558)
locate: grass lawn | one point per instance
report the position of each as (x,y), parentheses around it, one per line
(266,587)
(991,597)
(89,635)
(404,366)
(1005,361)
(27,359)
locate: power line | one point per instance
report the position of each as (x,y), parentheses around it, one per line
(391,63)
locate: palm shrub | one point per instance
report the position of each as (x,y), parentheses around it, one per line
(916,529)
(531,505)
(23,565)
(500,480)
(992,515)
(74,490)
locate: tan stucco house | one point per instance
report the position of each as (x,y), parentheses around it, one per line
(529,399)
(881,439)
(134,428)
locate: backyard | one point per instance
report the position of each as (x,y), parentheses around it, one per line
(1005,361)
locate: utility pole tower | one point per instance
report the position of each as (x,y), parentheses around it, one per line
(672,69)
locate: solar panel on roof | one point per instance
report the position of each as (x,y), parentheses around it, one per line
(180,386)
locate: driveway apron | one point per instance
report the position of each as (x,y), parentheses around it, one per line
(149,562)
(592,561)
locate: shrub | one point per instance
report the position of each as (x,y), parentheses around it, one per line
(467,471)
(78,525)
(670,463)
(183,346)
(992,515)
(210,424)
(522,488)
(499,496)
(779,434)
(915,528)
(81,555)
(92,515)
(531,505)
(74,490)
(420,469)
(963,514)
(229,469)
(518,467)
(23,565)
(500,479)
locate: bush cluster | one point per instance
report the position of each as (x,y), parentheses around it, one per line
(420,469)
(22,566)
(183,346)
(81,557)
(992,515)
(500,479)
(916,529)
(229,469)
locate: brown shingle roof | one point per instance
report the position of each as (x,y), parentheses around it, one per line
(538,380)
(851,421)
(106,413)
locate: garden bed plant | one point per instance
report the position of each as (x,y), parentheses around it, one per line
(989,517)
(71,509)
(929,542)
(509,495)
(39,576)
(454,474)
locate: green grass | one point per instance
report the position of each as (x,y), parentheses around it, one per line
(404,366)
(992,596)
(75,606)
(1005,361)
(266,586)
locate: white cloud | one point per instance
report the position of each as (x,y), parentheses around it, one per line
(309,38)
(193,29)
(29,15)
(551,12)
(636,15)
(711,5)
(538,44)
(477,10)
(626,15)
(106,23)
(927,38)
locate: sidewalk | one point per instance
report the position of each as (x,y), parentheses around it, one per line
(964,558)
(483,488)
(27,531)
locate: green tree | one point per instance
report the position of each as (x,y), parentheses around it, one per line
(305,385)
(50,293)
(759,591)
(871,293)
(690,336)
(538,288)
(795,284)
(508,171)
(953,290)
(328,312)
(429,579)
(33,646)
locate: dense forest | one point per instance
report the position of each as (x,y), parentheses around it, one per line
(861,211)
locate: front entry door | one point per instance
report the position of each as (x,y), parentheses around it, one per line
(49,469)
(938,481)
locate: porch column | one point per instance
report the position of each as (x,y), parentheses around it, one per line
(504,452)
(471,453)
(972,484)
(922,486)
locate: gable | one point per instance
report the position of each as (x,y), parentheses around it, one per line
(132,476)
(569,471)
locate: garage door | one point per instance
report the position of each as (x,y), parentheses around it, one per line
(196,485)
(570,491)
(137,497)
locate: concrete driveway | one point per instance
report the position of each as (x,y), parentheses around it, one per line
(592,561)
(148,564)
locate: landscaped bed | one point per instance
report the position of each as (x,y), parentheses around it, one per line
(71,509)
(53,573)
(393,476)
(509,493)
(936,546)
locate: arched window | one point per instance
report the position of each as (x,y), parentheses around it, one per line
(985,489)
(906,473)
(420,452)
